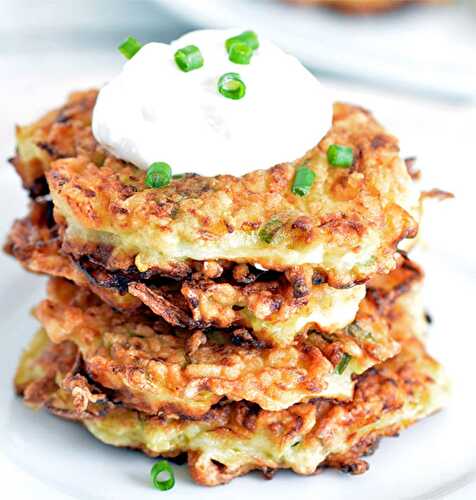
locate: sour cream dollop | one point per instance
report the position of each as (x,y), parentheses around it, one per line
(152,111)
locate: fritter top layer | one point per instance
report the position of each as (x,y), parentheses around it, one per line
(158,370)
(347,228)
(235,438)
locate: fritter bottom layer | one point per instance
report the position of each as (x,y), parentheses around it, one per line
(234,438)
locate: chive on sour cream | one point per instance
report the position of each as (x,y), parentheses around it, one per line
(154,112)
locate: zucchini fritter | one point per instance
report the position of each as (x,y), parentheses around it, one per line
(235,438)
(346,229)
(277,310)
(156,369)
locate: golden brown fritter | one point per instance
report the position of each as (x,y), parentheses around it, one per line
(235,438)
(35,242)
(271,309)
(346,229)
(61,133)
(277,310)
(157,370)
(46,367)
(365,6)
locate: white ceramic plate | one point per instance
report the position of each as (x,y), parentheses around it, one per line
(427,49)
(45,458)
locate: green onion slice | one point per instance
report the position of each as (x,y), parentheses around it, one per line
(357,331)
(158,175)
(270,230)
(248,37)
(162,468)
(240,53)
(231,86)
(303,181)
(189,58)
(340,156)
(129,47)
(343,363)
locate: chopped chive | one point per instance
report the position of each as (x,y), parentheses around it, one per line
(270,230)
(303,181)
(240,53)
(157,469)
(340,156)
(343,363)
(129,47)
(356,330)
(158,175)
(231,86)
(248,37)
(189,58)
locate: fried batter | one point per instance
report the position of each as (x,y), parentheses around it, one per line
(346,229)
(276,309)
(235,438)
(35,242)
(156,369)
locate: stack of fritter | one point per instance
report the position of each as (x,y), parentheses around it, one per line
(225,318)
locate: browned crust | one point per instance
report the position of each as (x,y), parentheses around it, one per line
(57,135)
(384,291)
(437,194)
(35,242)
(63,362)
(161,306)
(157,370)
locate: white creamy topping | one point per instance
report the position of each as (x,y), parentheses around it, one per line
(152,111)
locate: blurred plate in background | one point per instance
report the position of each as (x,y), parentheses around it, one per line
(427,49)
